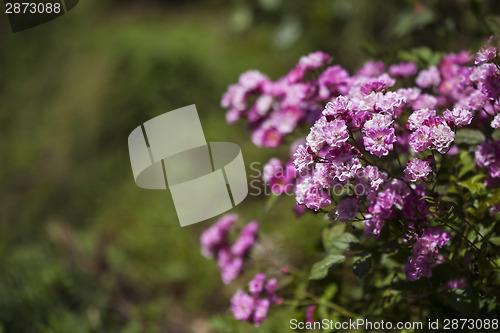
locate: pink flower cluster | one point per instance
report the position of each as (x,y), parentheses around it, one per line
(274,109)
(279,176)
(230,258)
(372,137)
(456,283)
(488,156)
(430,132)
(397,198)
(425,254)
(254,307)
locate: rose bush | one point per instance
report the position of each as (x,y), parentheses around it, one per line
(403,164)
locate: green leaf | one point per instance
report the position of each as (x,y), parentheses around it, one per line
(469,136)
(321,268)
(495,241)
(462,301)
(428,199)
(492,199)
(487,231)
(389,247)
(323,311)
(423,56)
(494,24)
(410,21)
(497,262)
(466,164)
(271,201)
(329,293)
(496,135)
(331,234)
(345,241)
(474,184)
(362,264)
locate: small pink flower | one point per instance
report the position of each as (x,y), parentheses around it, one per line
(485,54)
(231,270)
(254,308)
(460,117)
(242,305)
(456,283)
(417,118)
(417,169)
(256,285)
(314,60)
(442,137)
(379,141)
(245,240)
(428,77)
(403,69)
(421,139)
(302,158)
(336,133)
(261,309)
(495,123)
(346,209)
(214,237)
(309,313)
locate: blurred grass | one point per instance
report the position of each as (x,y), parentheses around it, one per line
(82,248)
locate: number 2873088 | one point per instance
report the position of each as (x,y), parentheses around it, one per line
(32,8)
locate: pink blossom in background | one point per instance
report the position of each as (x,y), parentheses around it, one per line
(425,253)
(309,313)
(428,77)
(254,308)
(403,69)
(230,258)
(242,305)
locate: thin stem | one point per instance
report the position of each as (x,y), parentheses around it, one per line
(331,305)
(317,301)
(487,112)
(399,178)
(472,244)
(399,161)
(482,237)
(463,236)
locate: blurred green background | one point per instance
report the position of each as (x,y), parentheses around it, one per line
(82,248)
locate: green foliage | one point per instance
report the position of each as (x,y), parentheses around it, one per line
(462,301)
(493,22)
(362,264)
(469,136)
(423,56)
(336,241)
(321,268)
(422,25)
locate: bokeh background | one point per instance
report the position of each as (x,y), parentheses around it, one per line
(82,248)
